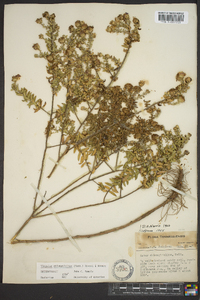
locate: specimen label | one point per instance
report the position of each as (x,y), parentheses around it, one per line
(161,255)
(80,271)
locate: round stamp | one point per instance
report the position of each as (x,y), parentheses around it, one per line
(122,269)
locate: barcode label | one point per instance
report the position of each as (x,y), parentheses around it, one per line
(172,17)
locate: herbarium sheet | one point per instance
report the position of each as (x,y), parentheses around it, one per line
(100,177)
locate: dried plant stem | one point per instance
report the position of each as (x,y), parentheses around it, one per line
(120,67)
(117,158)
(18,232)
(90,111)
(69,148)
(33,215)
(47,134)
(45,151)
(102,129)
(72,189)
(92,205)
(78,143)
(170,199)
(61,135)
(114,229)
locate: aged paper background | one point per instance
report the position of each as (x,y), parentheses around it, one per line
(164,50)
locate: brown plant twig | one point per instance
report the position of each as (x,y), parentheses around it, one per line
(114,229)
(47,134)
(45,151)
(72,189)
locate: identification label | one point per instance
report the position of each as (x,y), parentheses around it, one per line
(76,271)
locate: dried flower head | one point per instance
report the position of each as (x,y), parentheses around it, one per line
(141,83)
(36,46)
(61,40)
(16,78)
(39,21)
(71,28)
(180,76)
(45,14)
(78,23)
(52,17)
(126,16)
(188,79)
(136,21)
(50,58)
(181,99)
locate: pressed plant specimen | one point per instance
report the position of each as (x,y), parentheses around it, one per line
(102,123)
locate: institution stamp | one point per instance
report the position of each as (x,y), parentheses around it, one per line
(122,269)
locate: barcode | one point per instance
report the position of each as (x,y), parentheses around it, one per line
(171,17)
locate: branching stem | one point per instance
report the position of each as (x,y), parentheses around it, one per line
(45,151)
(100,233)
(89,112)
